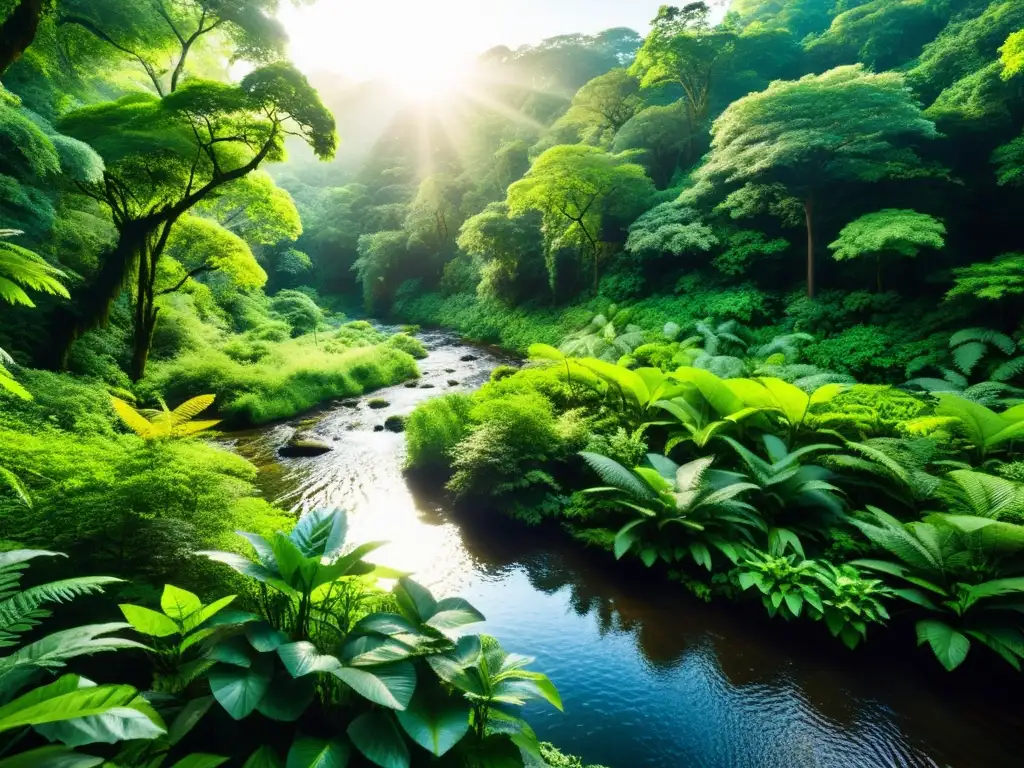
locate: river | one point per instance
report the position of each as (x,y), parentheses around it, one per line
(649,675)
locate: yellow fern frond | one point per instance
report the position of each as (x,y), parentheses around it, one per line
(192,408)
(192,427)
(135,420)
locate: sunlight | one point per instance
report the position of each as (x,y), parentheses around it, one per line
(425,78)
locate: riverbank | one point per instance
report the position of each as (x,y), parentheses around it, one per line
(650,676)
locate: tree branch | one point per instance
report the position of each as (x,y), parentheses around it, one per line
(87,25)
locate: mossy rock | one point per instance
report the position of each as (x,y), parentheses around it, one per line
(453,383)
(378,403)
(395,423)
(412,384)
(303,446)
(469,358)
(378,427)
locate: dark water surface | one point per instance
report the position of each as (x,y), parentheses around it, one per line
(649,676)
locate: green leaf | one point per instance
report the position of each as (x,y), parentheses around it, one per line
(435,721)
(200,761)
(302,658)
(149,622)
(239,689)
(68,697)
(390,685)
(308,752)
(264,638)
(207,612)
(414,600)
(454,612)
(264,757)
(378,738)
(186,720)
(794,602)
(179,603)
(320,533)
(136,720)
(54,756)
(949,646)
(287,698)
(234,650)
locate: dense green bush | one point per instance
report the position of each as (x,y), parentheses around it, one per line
(434,429)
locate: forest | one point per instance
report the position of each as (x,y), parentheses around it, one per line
(755,273)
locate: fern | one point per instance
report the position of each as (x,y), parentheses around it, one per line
(153,424)
(984,336)
(617,476)
(1010,369)
(966,356)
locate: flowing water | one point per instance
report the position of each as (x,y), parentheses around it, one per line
(649,676)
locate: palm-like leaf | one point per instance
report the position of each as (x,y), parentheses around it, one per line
(151,424)
(619,477)
(984,495)
(20,268)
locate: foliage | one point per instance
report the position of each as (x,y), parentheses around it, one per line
(153,425)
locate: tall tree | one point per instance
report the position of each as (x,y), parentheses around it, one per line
(166,155)
(602,106)
(798,139)
(891,231)
(683,49)
(576,189)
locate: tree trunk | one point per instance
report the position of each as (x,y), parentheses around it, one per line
(809,218)
(597,275)
(18,31)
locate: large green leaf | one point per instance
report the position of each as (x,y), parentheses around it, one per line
(980,424)
(67,698)
(435,720)
(321,533)
(949,646)
(240,689)
(200,761)
(247,567)
(264,757)
(149,622)
(454,612)
(414,600)
(287,698)
(179,603)
(615,474)
(263,637)
(390,685)
(308,752)
(53,756)
(302,658)
(378,738)
(714,390)
(136,720)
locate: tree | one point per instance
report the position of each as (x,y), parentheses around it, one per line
(672,228)
(602,106)
(507,250)
(19,25)
(900,232)
(803,137)
(683,49)
(380,254)
(664,134)
(991,280)
(199,246)
(576,189)
(166,155)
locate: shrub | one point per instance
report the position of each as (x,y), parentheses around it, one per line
(408,344)
(434,429)
(59,401)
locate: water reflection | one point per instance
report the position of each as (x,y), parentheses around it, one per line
(649,676)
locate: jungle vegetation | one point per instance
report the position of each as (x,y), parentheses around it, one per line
(763,264)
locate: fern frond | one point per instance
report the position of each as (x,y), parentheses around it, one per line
(1008,370)
(966,356)
(135,421)
(13,482)
(617,476)
(985,336)
(16,608)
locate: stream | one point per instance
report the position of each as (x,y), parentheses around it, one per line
(649,675)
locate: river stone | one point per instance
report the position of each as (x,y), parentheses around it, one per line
(303,446)
(395,423)
(449,370)
(426,386)
(412,384)
(453,383)
(378,427)
(350,403)
(378,402)
(468,358)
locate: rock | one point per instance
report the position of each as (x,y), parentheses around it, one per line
(306,423)
(378,427)
(468,358)
(395,423)
(453,383)
(350,403)
(378,402)
(303,446)
(449,370)
(426,386)
(412,384)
